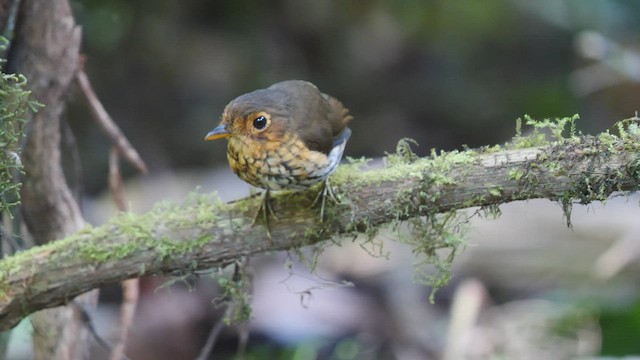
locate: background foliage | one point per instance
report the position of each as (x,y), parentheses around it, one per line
(14,104)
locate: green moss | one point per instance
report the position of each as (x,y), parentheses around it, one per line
(15,103)
(491,211)
(539,129)
(440,164)
(404,154)
(236,294)
(488,149)
(436,239)
(516,174)
(562,132)
(346,173)
(494,190)
(137,228)
(593,186)
(610,141)
(97,246)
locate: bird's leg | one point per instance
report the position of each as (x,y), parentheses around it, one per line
(266,209)
(322,194)
(267,205)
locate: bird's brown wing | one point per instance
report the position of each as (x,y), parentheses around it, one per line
(326,124)
(317,118)
(338,116)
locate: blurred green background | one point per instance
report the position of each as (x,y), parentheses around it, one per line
(445,73)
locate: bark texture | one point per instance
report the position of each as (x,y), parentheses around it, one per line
(202,233)
(46,50)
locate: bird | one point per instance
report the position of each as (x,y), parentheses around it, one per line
(289,136)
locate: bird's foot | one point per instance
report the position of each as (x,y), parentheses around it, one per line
(327,190)
(266,209)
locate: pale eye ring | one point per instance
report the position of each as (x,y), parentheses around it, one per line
(260,122)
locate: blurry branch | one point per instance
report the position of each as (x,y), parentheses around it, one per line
(115,179)
(612,63)
(107,124)
(45,50)
(121,146)
(204,233)
(468,300)
(87,320)
(205,352)
(130,287)
(214,333)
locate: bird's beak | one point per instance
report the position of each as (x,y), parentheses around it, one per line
(220,132)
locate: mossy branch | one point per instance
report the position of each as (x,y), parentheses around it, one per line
(204,233)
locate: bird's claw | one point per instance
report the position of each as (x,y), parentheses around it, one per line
(326,190)
(266,209)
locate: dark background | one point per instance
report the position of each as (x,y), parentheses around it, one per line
(444,73)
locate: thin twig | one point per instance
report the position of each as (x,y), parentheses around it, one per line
(130,295)
(115,179)
(6,237)
(239,270)
(243,339)
(107,124)
(213,336)
(130,288)
(69,140)
(11,20)
(86,319)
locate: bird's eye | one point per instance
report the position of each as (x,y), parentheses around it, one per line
(260,122)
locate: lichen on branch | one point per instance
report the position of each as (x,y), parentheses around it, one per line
(15,101)
(204,233)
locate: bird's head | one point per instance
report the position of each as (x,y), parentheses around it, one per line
(258,115)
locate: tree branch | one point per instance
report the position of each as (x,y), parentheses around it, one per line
(204,233)
(108,126)
(46,51)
